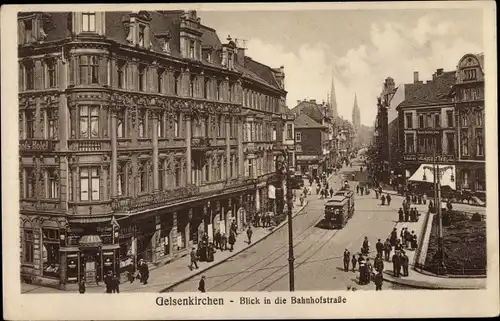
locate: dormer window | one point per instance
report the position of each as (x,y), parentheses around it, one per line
(88,22)
(142,30)
(208,56)
(230,60)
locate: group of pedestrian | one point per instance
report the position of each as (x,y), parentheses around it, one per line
(112,283)
(220,240)
(362,190)
(262,220)
(400,261)
(408,214)
(387,198)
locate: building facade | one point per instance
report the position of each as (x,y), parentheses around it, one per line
(470,125)
(426,119)
(139,131)
(312,141)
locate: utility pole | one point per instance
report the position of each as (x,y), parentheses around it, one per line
(289,197)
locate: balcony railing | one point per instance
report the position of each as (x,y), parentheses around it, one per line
(200,142)
(153,200)
(38,145)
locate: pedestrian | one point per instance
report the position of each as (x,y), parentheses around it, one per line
(362,190)
(376,194)
(424,198)
(366,246)
(201,284)
(218,239)
(379,280)
(357,189)
(400,215)
(402,234)
(380,190)
(232,240)
(379,263)
(398,246)
(224,242)
(361,169)
(354,261)
(404,263)
(144,270)
(379,246)
(413,241)
(394,236)
(395,264)
(387,249)
(108,281)
(407,214)
(347,258)
(81,286)
(388,199)
(382,198)
(249,235)
(362,272)
(408,238)
(368,271)
(331,191)
(116,284)
(193,259)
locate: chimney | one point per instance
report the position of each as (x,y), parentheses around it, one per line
(415,77)
(240,55)
(299,101)
(439,72)
(313,101)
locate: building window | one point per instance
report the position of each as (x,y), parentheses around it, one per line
(89,70)
(437,120)
(479,142)
(250,167)
(289,131)
(465,179)
(464,141)
(89,184)
(28,31)
(29,70)
(479,118)
(274,132)
(142,74)
(88,21)
(142,30)
(141,120)
(449,118)
(298,137)
(421,121)
(53,188)
(178,176)
(28,246)
(30,124)
(230,92)
(160,74)
(470,74)
(121,74)
(207,88)
(191,50)
(52,123)
(89,115)
(30,183)
(220,124)
(177,122)
(410,144)
(464,120)
(51,73)
(120,124)
(192,85)
(121,179)
(219,89)
(480,180)
(409,121)
(450,142)
(177,78)
(429,121)
(143,178)
(50,252)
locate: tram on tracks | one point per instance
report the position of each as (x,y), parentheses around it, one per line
(349,194)
(338,211)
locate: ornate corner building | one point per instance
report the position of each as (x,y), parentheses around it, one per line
(139,131)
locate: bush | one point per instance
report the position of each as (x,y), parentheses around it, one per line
(476,217)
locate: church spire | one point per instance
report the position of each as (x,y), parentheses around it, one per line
(356,117)
(333,99)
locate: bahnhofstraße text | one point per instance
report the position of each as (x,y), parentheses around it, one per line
(197,300)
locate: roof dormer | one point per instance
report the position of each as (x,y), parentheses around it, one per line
(138,29)
(33,27)
(228,53)
(190,35)
(88,23)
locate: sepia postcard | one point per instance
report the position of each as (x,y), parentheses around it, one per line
(249,161)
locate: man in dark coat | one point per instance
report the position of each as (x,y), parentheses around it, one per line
(400,215)
(193,259)
(405,263)
(108,281)
(394,236)
(379,246)
(357,189)
(379,264)
(116,284)
(387,250)
(218,239)
(81,286)
(388,198)
(353,262)
(232,240)
(379,280)
(331,191)
(224,242)
(382,198)
(347,258)
(201,285)
(396,264)
(249,235)
(407,214)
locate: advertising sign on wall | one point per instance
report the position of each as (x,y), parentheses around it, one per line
(271,192)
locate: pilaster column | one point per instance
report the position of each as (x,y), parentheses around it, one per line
(210,169)
(187,228)
(257,200)
(155,151)
(241,158)
(187,118)
(226,214)
(173,235)
(114,156)
(228,147)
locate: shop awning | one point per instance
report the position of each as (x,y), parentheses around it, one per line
(90,241)
(446,179)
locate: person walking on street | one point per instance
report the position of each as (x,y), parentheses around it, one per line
(357,189)
(108,281)
(232,240)
(379,246)
(387,250)
(347,258)
(331,192)
(404,263)
(376,194)
(413,240)
(369,271)
(201,285)
(400,215)
(193,258)
(224,242)
(81,286)
(388,199)
(354,261)
(394,236)
(217,239)
(379,264)
(144,270)
(379,280)
(407,214)
(395,264)
(362,271)
(116,284)
(382,198)
(424,198)
(249,235)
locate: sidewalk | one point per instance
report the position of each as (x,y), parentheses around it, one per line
(168,275)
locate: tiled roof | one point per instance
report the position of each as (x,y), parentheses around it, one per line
(433,92)
(304,121)
(480,57)
(313,110)
(263,71)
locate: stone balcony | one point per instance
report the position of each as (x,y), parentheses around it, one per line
(201,142)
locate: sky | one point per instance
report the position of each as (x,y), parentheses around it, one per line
(360,48)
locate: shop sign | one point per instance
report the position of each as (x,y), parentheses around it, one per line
(73,235)
(410,157)
(307,157)
(39,145)
(427,131)
(106,234)
(271,192)
(439,158)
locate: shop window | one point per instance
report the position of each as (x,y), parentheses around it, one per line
(51,73)
(449,118)
(479,142)
(89,115)
(89,184)
(53,188)
(29,251)
(464,141)
(50,252)
(88,22)
(120,124)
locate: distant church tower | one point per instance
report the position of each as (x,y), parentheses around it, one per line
(333,100)
(356,122)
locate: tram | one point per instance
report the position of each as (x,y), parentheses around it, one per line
(337,212)
(350,199)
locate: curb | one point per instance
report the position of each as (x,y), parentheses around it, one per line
(429,285)
(184,279)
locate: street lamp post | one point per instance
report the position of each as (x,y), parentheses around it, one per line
(284,166)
